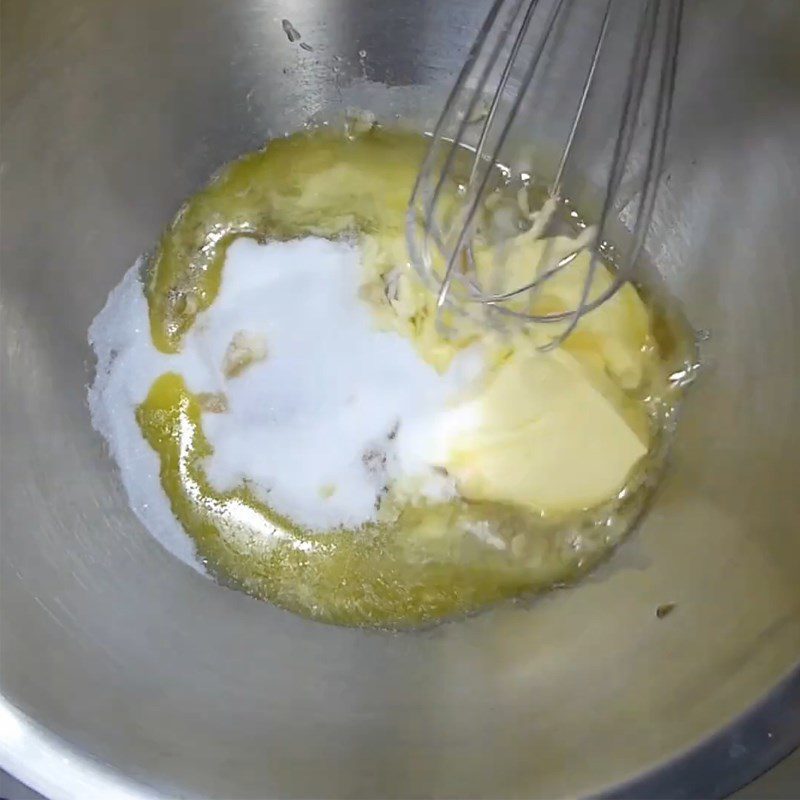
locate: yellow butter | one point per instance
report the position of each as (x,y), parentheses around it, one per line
(542,434)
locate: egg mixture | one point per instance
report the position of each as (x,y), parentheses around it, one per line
(291,413)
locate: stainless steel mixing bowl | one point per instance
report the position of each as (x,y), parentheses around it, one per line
(127,674)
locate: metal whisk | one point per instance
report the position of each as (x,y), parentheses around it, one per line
(586,86)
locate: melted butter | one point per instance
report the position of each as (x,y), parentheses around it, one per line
(423,567)
(426,562)
(322,184)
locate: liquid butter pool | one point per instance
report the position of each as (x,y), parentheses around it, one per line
(286,417)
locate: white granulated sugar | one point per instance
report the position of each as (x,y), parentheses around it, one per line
(127,365)
(327,412)
(329,417)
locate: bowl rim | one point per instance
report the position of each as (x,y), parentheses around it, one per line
(715,767)
(734,756)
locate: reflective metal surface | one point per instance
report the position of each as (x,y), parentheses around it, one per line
(126,674)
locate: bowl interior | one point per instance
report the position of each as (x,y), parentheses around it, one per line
(157,680)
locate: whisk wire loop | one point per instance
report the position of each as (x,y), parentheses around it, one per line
(510,55)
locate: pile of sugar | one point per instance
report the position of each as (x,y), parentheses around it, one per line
(327,413)
(127,365)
